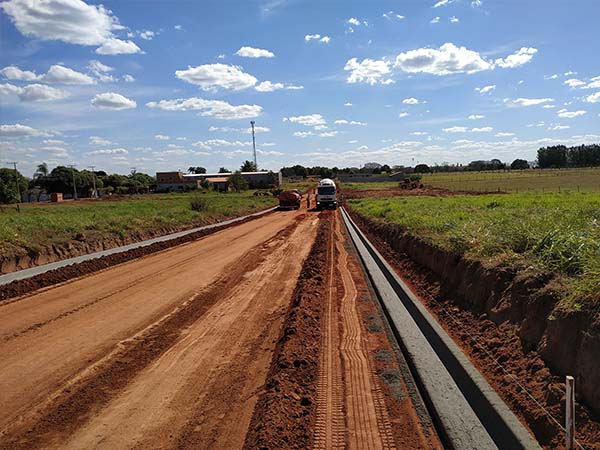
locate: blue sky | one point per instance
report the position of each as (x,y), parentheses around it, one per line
(164,85)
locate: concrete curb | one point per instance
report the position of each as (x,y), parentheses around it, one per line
(33,271)
(468,413)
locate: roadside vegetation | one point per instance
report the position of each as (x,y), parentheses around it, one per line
(530,180)
(40,225)
(555,232)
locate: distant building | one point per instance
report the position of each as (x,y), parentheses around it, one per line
(174,181)
(178,181)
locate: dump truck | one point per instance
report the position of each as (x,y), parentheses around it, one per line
(290,199)
(326,194)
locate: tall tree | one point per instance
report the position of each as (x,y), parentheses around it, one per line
(41,171)
(248,166)
(8,185)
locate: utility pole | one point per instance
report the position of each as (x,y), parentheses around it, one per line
(94,193)
(18,187)
(254,145)
(74,186)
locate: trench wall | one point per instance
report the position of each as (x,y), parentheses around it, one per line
(568,341)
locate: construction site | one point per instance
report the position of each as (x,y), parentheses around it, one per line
(286,329)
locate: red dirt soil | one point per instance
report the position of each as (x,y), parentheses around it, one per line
(52,277)
(304,405)
(284,416)
(488,344)
(72,414)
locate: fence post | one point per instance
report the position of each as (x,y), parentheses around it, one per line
(570,413)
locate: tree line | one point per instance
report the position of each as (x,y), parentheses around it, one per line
(70,181)
(561,156)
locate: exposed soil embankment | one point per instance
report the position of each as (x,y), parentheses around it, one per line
(284,416)
(512,327)
(52,277)
(13,259)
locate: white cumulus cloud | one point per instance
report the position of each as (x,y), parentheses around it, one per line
(527,101)
(97,140)
(476,116)
(14,73)
(112,100)
(109,151)
(368,71)
(70,21)
(210,108)
(450,58)
(594,98)
(161,137)
(115,46)
(33,92)
(309,120)
(210,77)
(520,57)
(18,130)
(64,75)
(411,101)
(251,52)
(317,37)
(570,114)
(486,89)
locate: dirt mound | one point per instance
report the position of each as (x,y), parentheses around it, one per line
(52,277)
(284,417)
(509,327)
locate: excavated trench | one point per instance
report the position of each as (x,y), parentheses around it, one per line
(510,325)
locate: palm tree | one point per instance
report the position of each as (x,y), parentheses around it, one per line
(41,171)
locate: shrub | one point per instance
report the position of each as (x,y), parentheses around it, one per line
(198,204)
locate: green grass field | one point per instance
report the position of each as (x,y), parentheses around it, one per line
(557,232)
(44,224)
(533,180)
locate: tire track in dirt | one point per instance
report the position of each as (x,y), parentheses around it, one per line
(86,394)
(330,425)
(368,424)
(200,393)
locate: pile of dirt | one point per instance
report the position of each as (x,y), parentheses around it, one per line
(511,328)
(427,191)
(284,416)
(52,277)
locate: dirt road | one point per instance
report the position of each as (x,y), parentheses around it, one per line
(151,353)
(263,332)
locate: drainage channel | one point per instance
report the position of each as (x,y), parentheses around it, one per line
(468,413)
(33,271)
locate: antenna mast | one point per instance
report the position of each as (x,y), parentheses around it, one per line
(254,145)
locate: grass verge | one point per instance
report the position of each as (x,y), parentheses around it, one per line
(555,232)
(42,225)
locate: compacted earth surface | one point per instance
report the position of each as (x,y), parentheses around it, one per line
(265,334)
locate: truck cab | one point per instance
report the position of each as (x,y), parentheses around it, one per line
(326,194)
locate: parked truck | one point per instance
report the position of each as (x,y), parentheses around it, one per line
(290,199)
(326,194)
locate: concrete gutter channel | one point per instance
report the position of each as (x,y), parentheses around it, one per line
(468,413)
(33,271)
